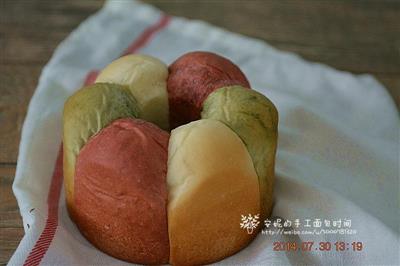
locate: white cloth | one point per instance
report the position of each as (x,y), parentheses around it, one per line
(338,153)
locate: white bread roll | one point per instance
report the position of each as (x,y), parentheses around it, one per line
(211,182)
(146,78)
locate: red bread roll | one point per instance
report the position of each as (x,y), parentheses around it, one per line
(192,77)
(120,191)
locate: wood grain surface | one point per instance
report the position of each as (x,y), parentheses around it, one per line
(356,36)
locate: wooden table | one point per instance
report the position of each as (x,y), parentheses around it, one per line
(356,36)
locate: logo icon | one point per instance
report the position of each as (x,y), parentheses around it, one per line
(250,222)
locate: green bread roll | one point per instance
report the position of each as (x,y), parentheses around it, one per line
(254,118)
(86,112)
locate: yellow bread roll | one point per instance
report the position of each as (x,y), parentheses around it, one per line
(211,182)
(146,78)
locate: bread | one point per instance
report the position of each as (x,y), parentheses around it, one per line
(121,193)
(253,117)
(211,183)
(192,77)
(145,195)
(146,78)
(85,113)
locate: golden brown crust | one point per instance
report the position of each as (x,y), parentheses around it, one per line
(212,182)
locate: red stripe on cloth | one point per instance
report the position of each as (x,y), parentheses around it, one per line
(53,198)
(91,77)
(46,237)
(140,42)
(146,35)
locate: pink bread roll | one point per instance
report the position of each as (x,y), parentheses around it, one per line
(120,191)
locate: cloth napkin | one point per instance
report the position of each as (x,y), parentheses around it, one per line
(337,167)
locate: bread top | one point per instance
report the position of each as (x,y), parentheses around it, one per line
(254,118)
(202,147)
(146,78)
(192,77)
